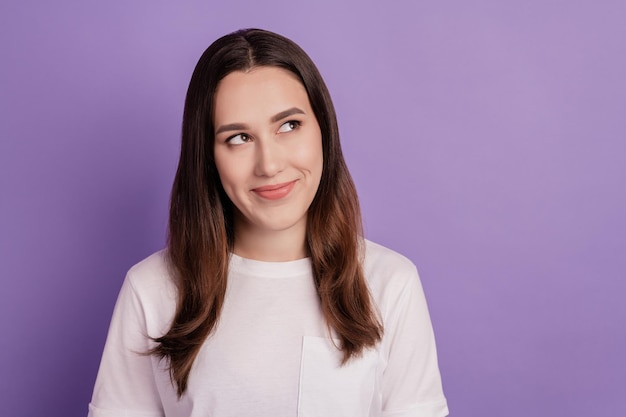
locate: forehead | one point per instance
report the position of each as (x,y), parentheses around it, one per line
(257,94)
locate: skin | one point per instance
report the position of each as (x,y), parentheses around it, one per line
(268,153)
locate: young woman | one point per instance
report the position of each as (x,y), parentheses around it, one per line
(267,301)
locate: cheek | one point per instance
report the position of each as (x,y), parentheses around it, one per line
(318,159)
(310,155)
(227,175)
(228,179)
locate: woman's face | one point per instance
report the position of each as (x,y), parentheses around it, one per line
(268,149)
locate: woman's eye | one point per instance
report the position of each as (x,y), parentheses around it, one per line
(238,139)
(289,126)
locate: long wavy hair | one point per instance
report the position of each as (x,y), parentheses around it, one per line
(201,222)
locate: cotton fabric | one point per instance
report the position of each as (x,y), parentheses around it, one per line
(271,354)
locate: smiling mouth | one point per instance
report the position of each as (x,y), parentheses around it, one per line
(274,191)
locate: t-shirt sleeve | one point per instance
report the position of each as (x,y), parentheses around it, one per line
(411,382)
(126,385)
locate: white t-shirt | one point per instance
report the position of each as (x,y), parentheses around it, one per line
(270,354)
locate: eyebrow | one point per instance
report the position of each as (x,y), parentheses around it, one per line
(277,117)
(285,114)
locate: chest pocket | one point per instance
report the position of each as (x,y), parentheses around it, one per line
(329,389)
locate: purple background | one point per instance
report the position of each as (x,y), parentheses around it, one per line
(487,140)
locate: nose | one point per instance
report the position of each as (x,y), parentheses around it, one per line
(269,158)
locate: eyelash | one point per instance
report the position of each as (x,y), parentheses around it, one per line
(296,123)
(246,138)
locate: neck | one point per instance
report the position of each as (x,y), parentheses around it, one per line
(270,245)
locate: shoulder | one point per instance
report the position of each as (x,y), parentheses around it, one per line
(392,278)
(156,263)
(381,263)
(151,277)
(148,295)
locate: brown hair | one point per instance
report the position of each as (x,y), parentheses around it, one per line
(201,234)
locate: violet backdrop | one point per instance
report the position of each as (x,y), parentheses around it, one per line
(487,140)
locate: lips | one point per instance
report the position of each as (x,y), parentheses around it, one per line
(274,191)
